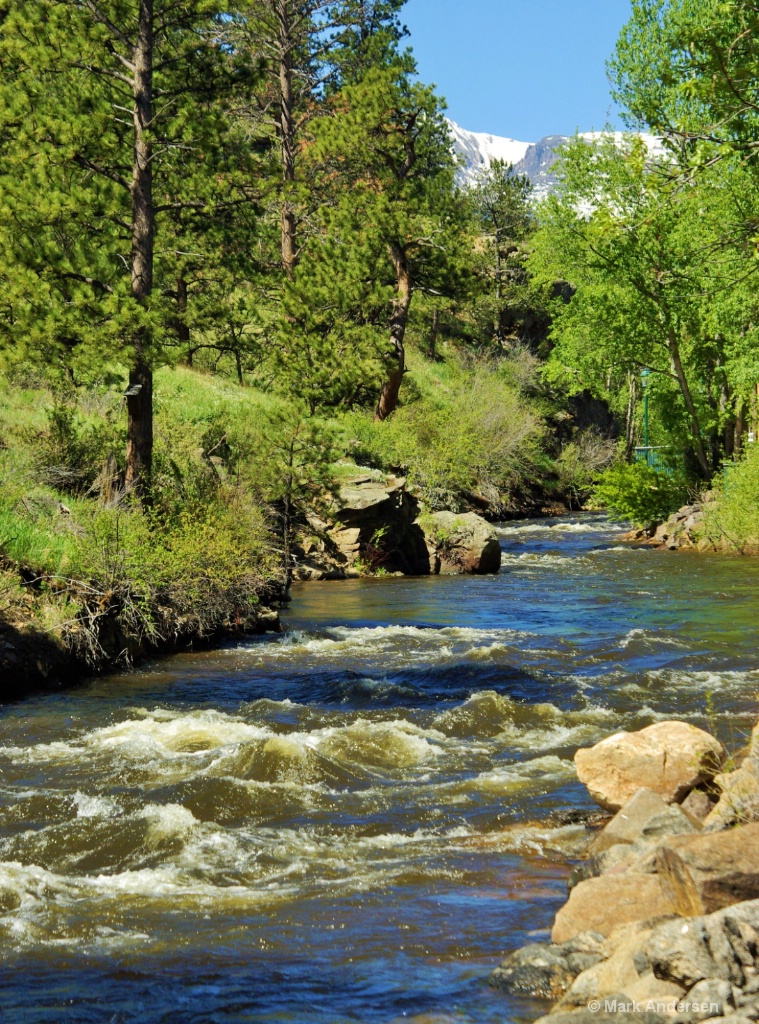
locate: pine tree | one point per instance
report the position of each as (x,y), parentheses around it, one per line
(501,204)
(390,227)
(112,123)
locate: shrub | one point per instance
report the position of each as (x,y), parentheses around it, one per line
(735,516)
(69,452)
(635,492)
(478,436)
(581,461)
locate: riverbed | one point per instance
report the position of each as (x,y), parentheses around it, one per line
(350,822)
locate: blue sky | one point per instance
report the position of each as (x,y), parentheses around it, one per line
(520,68)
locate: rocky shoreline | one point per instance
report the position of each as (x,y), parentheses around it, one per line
(685,530)
(662,919)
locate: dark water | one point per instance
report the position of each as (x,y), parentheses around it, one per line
(349,823)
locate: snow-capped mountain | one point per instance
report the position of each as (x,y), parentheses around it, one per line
(535,159)
(479,150)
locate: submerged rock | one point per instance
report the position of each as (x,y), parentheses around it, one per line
(547,970)
(669,758)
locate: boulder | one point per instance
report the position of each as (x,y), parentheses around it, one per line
(707,872)
(698,803)
(461,543)
(669,758)
(620,970)
(373,521)
(645,816)
(723,945)
(739,797)
(545,970)
(712,997)
(603,904)
(612,1009)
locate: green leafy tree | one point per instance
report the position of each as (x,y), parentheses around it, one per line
(690,69)
(655,269)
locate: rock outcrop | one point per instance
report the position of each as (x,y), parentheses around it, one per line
(461,543)
(670,758)
(374,525)
(370,526)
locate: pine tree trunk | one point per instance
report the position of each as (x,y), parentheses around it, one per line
(140,394)
(434,328)
(287,134)
(498,291)
(388,399)
(183,330)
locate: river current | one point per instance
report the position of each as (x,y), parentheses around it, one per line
(350,822)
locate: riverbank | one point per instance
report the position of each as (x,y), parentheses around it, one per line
(248,490)
(662,919)
(700,527)
(104,634)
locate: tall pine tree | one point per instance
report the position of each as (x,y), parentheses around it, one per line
(112,121)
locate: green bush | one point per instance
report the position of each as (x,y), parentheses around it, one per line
(581,462)
(478,435)
(69,452)
(635,492)
(734,519)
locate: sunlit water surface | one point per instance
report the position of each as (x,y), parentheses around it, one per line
(351,821)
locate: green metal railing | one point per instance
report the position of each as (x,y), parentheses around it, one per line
(652,456)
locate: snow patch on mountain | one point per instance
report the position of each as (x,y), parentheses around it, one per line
(535,159)
(479,150)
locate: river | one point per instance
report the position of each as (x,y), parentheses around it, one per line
(351,821)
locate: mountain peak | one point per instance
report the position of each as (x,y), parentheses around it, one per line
(535,159)
(480,150)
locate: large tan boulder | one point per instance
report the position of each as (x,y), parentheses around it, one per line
(669,758)
(603,904)
(706,872)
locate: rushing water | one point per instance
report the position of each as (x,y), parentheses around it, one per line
(350,822)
